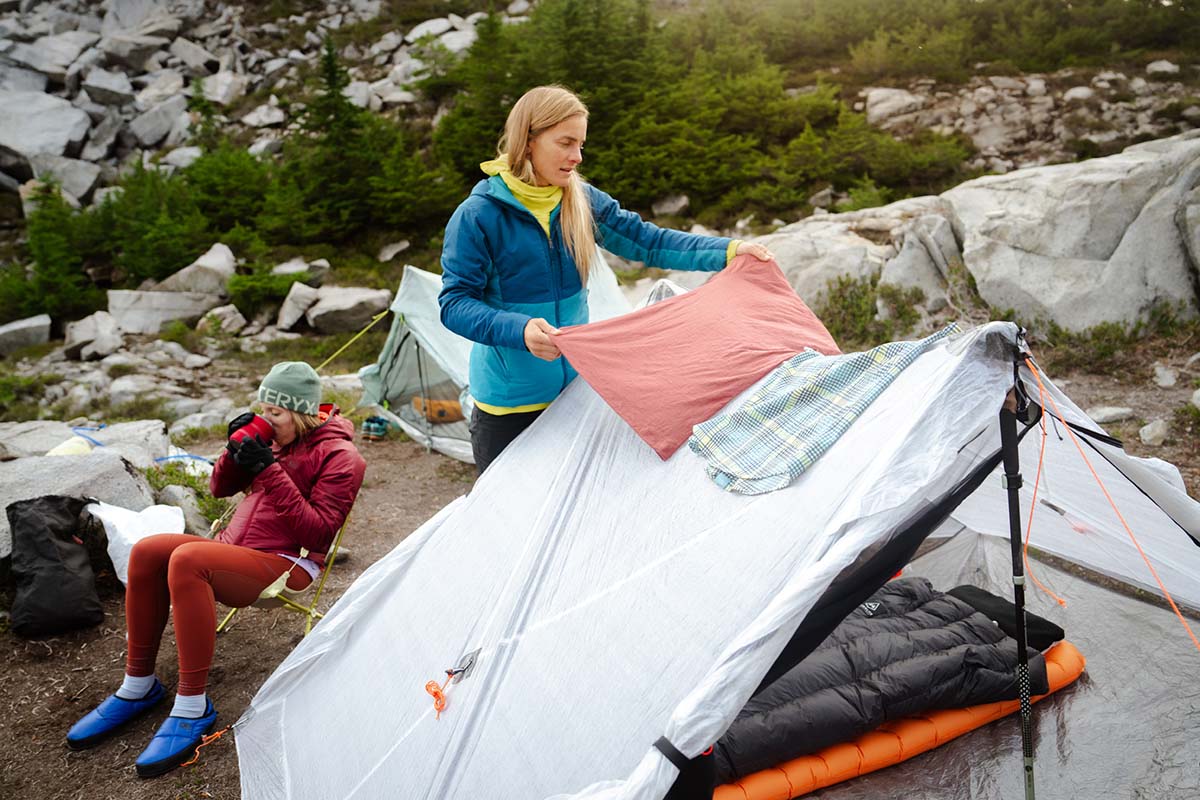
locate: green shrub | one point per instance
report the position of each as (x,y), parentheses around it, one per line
(152,229)
(19,395)
(179,332)
(865,194)
(228,186)
(254,292)
(58,285)
(850,310)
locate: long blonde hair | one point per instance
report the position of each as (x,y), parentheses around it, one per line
(538,109)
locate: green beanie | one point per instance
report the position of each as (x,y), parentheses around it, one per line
(294,385)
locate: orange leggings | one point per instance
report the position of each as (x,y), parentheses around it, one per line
(189,573)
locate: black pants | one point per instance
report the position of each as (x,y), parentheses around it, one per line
(491,433)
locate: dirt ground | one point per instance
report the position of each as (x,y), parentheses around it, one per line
(47,684)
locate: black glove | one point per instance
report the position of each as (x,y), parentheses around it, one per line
(240,421)
(253,455)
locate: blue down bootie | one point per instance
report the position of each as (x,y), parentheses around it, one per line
(175,743)
(110,716)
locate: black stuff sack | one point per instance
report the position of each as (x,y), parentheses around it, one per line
(55,585)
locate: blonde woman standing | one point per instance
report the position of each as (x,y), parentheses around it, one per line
(516,258)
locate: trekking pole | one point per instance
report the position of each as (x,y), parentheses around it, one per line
(1012,483)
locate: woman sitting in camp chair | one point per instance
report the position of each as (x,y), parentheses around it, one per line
(299,491)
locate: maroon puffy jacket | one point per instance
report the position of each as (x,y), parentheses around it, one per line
(299,501)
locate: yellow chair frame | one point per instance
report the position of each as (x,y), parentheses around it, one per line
(282,598)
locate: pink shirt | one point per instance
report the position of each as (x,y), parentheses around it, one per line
(677,363)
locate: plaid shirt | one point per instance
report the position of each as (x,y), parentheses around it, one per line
(806,404)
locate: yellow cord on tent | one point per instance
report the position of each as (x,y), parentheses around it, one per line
(1037,482)
(1124,524)
(353,339)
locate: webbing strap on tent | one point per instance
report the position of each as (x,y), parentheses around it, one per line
(672,753)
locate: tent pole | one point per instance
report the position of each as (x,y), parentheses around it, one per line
(1012,483)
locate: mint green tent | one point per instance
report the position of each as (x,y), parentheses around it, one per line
(419,382)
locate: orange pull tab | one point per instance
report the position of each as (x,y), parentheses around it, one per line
(439,696)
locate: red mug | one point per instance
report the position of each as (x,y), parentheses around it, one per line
(256,427)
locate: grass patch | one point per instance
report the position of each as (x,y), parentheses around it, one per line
(193,436)
(453,470)
(20,396)
(315,349)
(173,474)
(134,410)
(1126,353)
(178,331)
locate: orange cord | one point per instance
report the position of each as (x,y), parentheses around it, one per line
(1037,482)
(1117,511)
(204,742)
(439,695)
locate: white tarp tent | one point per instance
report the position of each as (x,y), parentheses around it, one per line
(614,598)
(423,361)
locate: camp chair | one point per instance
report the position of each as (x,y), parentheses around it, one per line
(277,595)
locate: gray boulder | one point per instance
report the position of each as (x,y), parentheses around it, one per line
(225,87)
(459,42)
(166,84)
(76,177)
(1085,243)
(93,337)
(182,157)
(927,253)
(343,309)
(208,274)
(108,88)
(430,27)
(131,49)
(52,55)
(19,79)
(1162,67)
(184,497)
(33,438)
(199,61)
(102,474)
(138,442)
(225,319)
(316,270)
(103,137)
(127,15)
(23,333)
(152,127)
(145,312)
(34,123)
(883,104)
(127,388)
(670,206)
(855,245)
(199,419)
(299,299)
(265,116)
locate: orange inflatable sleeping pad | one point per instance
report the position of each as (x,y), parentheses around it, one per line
(890,743)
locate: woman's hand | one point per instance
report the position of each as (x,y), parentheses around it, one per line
(538,341)
(755,249)
(253,455)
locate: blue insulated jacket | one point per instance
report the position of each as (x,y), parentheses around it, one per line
(499,270)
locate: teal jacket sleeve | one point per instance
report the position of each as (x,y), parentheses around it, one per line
(627,235)
(466,264)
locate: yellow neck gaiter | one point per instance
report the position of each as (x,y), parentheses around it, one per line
(539,200)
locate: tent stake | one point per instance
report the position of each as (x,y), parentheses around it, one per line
(1012,483)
